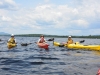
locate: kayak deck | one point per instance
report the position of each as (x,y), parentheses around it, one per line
(43,45)
(80,46)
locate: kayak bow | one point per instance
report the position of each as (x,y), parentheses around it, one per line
(10,45)
(43,45)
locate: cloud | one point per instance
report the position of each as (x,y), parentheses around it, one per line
(6,18)
(8,4)
(73,32)
(75,18)
(94,31)
(46,1)
(80,23)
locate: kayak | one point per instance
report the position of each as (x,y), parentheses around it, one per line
(43,45)
(77,45)
(81,46)
(10,45)
(58,44)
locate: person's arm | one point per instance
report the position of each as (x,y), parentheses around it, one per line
(45,40)
(8,40)
(15,41)
(72,41)
(38,40)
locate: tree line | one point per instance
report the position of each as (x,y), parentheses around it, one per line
(58,36)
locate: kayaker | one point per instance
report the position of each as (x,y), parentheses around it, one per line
(12,39)
(69,41)
(42,43)
(42,40)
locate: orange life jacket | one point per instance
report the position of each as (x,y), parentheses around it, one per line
(12,40)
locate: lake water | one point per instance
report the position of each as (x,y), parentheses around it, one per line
(31,60)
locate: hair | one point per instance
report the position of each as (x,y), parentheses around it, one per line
(42,36)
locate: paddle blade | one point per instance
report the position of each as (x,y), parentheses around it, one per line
(25,44)
(82,41)
(61,45)
(51,39)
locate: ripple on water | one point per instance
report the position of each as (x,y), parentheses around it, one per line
(31,60)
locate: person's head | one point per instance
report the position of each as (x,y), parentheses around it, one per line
(69,37)
(12,35)
(42,36)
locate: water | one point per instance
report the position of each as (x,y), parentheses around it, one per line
(31,60)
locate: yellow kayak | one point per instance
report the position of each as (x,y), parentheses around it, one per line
(10,45)
(56,43)
(77,45)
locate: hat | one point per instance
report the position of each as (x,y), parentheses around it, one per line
(69,36)
(12,34)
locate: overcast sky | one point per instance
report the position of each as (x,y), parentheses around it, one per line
(54,17)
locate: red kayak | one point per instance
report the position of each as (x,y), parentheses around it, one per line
(43,45)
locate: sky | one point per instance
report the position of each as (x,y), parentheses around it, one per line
(53,17)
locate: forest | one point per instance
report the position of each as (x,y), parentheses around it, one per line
(59,36)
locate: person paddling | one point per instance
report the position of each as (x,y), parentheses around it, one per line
(42,43)
(42,40)
(69,41)
(12,39)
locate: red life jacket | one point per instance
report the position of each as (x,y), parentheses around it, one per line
(98,73)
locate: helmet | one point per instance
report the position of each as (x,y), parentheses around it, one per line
(12,34)
(69,36)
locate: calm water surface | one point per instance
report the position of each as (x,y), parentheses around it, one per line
(31,60)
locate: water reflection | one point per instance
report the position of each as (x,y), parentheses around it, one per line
(96,53)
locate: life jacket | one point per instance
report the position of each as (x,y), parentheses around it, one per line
(41,40)
(70,41)
(12,40)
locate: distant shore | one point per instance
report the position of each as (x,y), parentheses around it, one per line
(57,36)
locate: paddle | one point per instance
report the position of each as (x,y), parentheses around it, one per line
(51,39)
(26,44)
(3,40)
(81,41)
